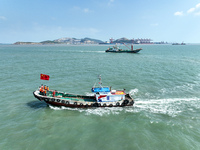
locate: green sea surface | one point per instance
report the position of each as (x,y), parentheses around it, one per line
(164,80)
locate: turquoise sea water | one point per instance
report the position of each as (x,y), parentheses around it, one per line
(164,80)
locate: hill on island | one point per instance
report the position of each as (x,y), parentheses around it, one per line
(65,41)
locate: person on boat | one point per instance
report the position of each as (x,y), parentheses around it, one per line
(41,88)
(42,91)
(45,92)
(54,93)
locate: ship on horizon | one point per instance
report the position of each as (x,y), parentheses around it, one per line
(179,43)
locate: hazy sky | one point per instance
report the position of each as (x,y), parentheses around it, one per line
(160,20)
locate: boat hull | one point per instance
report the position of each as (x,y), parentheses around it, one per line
(82,101)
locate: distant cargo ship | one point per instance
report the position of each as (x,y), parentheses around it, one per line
(178,43)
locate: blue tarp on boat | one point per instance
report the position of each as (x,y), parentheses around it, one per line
(100,89)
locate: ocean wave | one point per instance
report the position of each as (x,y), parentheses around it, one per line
(92,111)
(92,51)
(178,89)
(171,107)
(133,91)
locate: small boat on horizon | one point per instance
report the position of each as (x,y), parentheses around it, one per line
(179,43)
(103,96)
(116,49)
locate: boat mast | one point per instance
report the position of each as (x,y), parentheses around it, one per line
(126,45)
(100,82)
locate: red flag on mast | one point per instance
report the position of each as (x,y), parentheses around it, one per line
(44,77)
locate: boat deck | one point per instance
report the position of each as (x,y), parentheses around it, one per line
(70,97)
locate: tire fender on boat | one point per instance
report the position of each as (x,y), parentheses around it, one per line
(95,105)
(81,104)
(117,104)
(75,103)
(58,100)
(67,102)
(132,102)
(111,105)
(104,105)
(126,101)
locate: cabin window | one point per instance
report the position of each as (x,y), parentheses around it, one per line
(108,98)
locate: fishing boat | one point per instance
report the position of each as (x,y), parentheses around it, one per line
(103,96)
(116,49)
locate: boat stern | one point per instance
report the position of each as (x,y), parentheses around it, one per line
(129,101)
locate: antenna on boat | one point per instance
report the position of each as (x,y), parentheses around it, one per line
(100,79)
(100,82)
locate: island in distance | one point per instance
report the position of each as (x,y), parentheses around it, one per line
(75,41)
(72,41)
